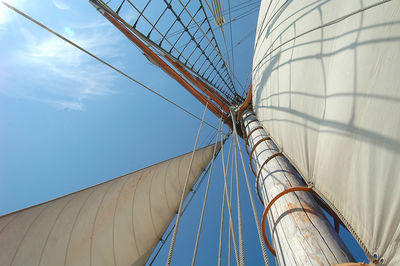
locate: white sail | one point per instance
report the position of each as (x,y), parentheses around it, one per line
(118,222)
(331,100)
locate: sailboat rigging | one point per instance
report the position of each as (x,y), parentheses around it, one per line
(320,123)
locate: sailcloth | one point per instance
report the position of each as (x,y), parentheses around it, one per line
(118,222)
(326,87)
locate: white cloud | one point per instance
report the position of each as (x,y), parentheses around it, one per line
(65,76)
(60,4)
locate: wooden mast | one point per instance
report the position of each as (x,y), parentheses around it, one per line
(301,234)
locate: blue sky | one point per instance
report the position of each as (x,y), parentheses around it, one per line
(68,122)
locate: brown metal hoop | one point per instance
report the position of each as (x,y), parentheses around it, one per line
(252,151)
(255,120)
(247,116)
(307,189)
(248,136)
(259,173)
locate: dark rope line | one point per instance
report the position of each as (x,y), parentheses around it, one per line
(102,61)
(239,17)
(193,192)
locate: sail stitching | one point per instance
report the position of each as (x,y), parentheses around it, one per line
(133,211)
(74,224)
(95,220)
(114,214)
(25,233)
(52,228)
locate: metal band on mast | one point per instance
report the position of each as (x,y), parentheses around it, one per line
(295,218)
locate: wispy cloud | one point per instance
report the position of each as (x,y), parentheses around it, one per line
(60,4)
(65,76)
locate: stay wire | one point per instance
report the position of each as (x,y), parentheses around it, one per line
(239,206)
(253,206)
(178,217)
(221,229)
(104,62)
(238,17)
(205,199)
(216,49)
(230,201)
(193,193)
(223,33)
(231,34)
(229,206)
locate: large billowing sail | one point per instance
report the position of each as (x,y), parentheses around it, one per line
(330,98)
(118,222)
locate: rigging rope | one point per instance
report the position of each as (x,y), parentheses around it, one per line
(205,198)
(153,26)
(253,206)
(239,207)
(178,217)
(216,49)
(238,17)
(102,61)
(231,34)
(193,193)
(223,210)
(230,201)
(229,205)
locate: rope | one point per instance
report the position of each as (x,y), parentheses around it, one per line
(153,26)
(222,30)
(238,17)
(229,208)
(192,194)
(230,33)
(205,199)
(223,209)
(253,206)
(164,240)
(230,201)
(216,49)
(239,208)
(178,217)
(102,61)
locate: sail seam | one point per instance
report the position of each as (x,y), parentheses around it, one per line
(95,220)
(26,232)
(115,211)
(74,224)
(51,229)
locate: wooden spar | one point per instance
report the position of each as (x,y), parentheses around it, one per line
(215,93)
(190,77)
(301,234)
(156,59)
